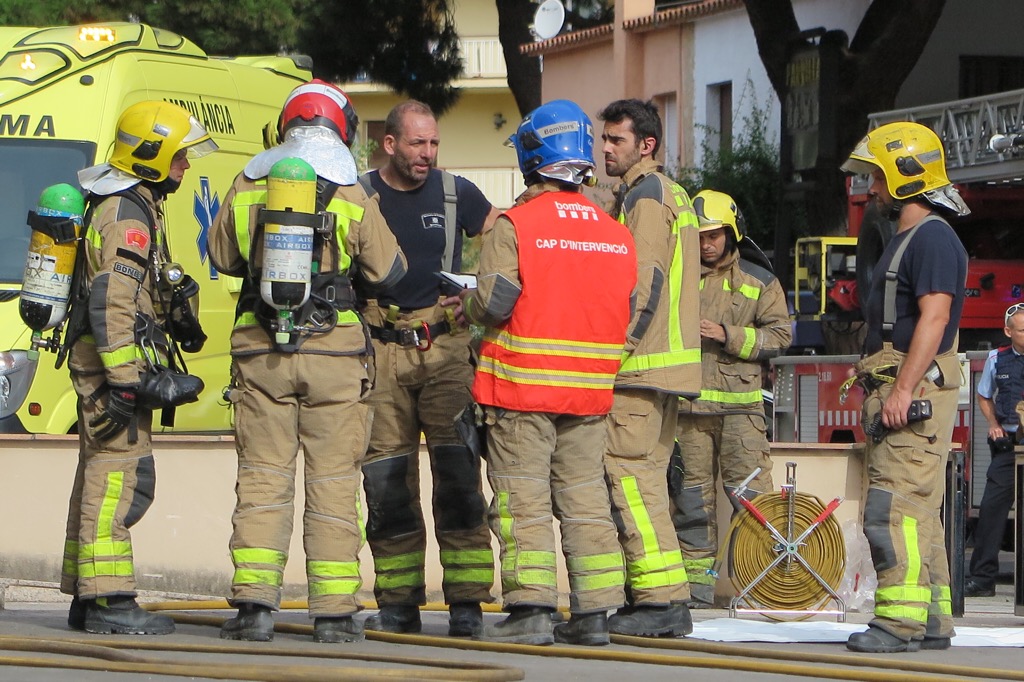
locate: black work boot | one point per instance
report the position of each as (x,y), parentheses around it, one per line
(254,623)
(76,614)
(875,640)
(933,639)
(652,621)
(398,618)
(334,630)
(122,616)
(524,625)
(465,619)
(588,629)
(975,588)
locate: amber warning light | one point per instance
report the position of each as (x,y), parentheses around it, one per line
(96,34)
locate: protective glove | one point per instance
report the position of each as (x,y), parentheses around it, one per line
(118,415)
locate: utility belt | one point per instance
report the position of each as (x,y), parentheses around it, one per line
(409,331)
(882,367)
(330,294)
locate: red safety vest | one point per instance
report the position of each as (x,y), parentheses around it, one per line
(560,350)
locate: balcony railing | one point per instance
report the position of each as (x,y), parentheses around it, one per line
(501,186)
(483,58)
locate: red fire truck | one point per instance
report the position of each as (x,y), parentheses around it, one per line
(982,138)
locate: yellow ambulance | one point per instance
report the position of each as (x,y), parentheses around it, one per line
(61,92)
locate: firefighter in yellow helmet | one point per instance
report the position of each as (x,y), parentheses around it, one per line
(913,313)
(722,434)
(120,311)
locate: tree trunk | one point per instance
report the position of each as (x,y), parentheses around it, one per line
(514,19)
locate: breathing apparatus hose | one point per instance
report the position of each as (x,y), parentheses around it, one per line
(788,585)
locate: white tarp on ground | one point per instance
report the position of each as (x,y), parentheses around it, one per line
(739,630)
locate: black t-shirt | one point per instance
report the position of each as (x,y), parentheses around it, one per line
(417,219)
(935,261)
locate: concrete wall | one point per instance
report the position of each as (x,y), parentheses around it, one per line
(181,544)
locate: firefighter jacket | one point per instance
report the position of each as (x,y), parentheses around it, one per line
(362,239)
(122,271)
(749,302)
(664,335)
(556,279)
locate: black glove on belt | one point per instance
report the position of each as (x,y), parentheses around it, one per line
(118,415)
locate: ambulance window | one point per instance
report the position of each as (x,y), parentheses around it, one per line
(26,168)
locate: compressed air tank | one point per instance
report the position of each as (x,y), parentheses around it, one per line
(46,285)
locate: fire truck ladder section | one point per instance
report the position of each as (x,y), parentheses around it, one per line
(983,136)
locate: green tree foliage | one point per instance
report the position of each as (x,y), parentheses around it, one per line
(748,171)
(408,45)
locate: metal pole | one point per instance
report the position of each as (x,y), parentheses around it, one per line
(955,523)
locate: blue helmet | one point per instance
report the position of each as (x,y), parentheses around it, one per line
(556,140)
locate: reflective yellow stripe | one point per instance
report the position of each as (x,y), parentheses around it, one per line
(345,318)
(536,576)
(662,579)
(464,557)
(469,575)
(111,496)
(596,562)
(895,593)
(391,581)
(399,561)
(748,290)
(106,569)
(328,587)
(582,583)
(333,569)
(259,555)
(908,612)
(910,539)
(640,516)
(105,549)
(333,577)
(69,566)
(657,562)
(346,209)
(243,202)
(545,377)
(749,340)
(536,557)
(700,571)
(94,237)
(253,576)
(121,356)
(553,347)
(730,397)
(639,363)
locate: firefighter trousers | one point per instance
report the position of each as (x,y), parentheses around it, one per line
(641,434)
(729,447)
(423,391)
(906,473)
(539,464)
(283,402)
(114,486)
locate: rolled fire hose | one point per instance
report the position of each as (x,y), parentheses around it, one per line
(787,584)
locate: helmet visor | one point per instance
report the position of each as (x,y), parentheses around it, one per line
(197,141)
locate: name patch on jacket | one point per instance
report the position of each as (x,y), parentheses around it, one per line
(137,275)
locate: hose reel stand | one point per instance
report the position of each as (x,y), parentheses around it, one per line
(786,554)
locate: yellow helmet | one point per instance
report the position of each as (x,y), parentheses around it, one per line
(912,159)
(717,209)
(150,133)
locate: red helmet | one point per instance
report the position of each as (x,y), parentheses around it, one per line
(318,103)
